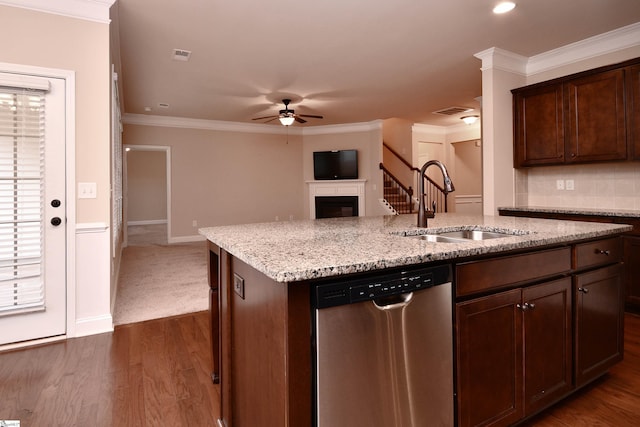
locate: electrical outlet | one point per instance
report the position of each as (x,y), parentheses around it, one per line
(277,218)
(238,285)
(559,184)
(569,185)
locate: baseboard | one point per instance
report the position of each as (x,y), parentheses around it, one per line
(94,325)
(187,239)
(147,222)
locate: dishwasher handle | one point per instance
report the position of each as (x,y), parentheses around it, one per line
(393,302)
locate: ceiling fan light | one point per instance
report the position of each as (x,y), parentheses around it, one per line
(470,119)
(286,120)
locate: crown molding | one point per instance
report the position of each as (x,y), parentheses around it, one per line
(430,129)
(602,44)
(344,128)
(90,10)
(496,58)
(219,125)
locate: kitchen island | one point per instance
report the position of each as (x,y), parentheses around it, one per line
(261,275)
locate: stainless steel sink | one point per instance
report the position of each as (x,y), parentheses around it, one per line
(461,236)
(438,238)
(474,234)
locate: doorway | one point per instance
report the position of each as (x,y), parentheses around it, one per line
(147,201)
(33,208)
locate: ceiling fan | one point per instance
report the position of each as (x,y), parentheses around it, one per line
(288,116)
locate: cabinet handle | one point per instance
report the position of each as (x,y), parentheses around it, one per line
(529,305)
(601,252)
(583,290)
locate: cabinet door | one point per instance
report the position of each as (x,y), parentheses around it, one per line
(489,360)
(596,118)
(632,263)
(548,343)
(599,322)
(633,111)
(539,126)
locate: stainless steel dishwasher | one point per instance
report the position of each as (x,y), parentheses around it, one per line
(383,349)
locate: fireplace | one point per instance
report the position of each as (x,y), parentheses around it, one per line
(336,206)
(343,197)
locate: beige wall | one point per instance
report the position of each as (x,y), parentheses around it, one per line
(397,134)
(146,186)
(80,46)
(467,173)
(220,178)
(369,146)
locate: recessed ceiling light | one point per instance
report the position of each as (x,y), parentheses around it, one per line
(504,7)
(147,109)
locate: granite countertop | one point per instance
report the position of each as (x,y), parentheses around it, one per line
(622,213)
(290,251)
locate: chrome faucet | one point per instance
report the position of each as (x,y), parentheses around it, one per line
(448,188)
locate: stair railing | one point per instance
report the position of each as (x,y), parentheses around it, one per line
(433,191)
(398,196)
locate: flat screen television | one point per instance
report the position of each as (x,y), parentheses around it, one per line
(336,164)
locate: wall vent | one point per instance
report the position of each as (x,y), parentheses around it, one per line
(163,105)
(453,110)
(181,55)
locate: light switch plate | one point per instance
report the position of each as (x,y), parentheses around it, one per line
(87,190)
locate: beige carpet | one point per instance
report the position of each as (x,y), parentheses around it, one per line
(160,281)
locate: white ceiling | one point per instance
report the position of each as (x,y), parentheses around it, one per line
(349,60)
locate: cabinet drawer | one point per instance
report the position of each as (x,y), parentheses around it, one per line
(600,252)
(480,276)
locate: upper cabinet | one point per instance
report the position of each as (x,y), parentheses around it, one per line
(579,119)
(633,111)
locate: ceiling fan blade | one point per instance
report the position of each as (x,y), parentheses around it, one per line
(310,115)
(265,117)
(270,120)
(299,120)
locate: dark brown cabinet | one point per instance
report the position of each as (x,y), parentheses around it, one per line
(548,341)
(599,322)
(580,118)
(630,249)
(633,111)
(595,125)
(514,353)
(524,343)
(539,126)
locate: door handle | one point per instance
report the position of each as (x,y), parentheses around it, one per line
(56,221)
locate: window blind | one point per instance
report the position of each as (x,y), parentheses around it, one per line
(22,118)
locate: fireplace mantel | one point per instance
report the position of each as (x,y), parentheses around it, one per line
(340,187)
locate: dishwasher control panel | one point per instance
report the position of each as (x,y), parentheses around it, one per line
(384,288)
(341,291)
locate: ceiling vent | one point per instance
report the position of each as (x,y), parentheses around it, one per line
(163,105)
(453,110)
(181,55)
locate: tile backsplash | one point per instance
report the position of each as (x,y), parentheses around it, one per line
(605,185)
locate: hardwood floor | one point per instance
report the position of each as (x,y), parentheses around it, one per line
(156,373)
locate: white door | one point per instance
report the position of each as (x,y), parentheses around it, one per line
(32,208)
